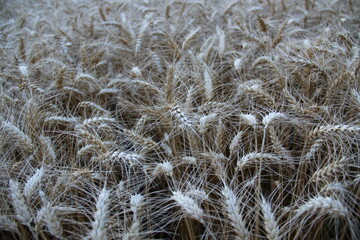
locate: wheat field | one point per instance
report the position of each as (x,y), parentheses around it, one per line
(164,119)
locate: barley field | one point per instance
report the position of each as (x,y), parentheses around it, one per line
(174,119)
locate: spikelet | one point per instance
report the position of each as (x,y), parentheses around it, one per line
(355,62)
(133,232)
(277,145)
(188,206)
(136,204)
(98,225)
(197,193)
(191,36)
(32,183)
(60,78)
(235,142)
(314,148)
(330,170)
(249,119)
(140,123)
(135,72)
(22,49)
(92,138)
(222,41)
(141,140)
(170,84)
(74,91)
(93,106)
(157,61)
(47,149)
(323,205)
(139,39)
(48,215)
(23,214)
(209,91)
(234,213)
(206,121)
(270,223)
(189,160)
(254,157)
(184,121)
(238,64)
(16,135)
(256,91)
(108,91)
(87,149)
(165,168)
(190,97)
(131,158)
(7,224)
(97,121)
(264,26)
(269,118)
(61,120)
(321,130)
(23,69)
(146,85)
(333,189)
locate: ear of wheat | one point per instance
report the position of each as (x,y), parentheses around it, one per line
(179,119)
(98,225)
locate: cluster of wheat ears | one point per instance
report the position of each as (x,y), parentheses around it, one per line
(161,119)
